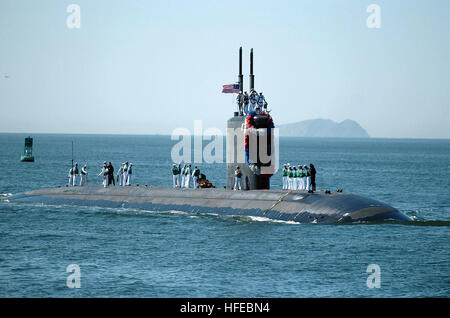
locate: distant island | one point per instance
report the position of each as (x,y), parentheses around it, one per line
(323,128)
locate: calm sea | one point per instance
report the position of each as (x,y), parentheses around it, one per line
(124,253)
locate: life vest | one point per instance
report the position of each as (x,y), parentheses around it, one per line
(175,171)
(295,174)
(285,172)
(291,173)
(238,173)
(71,172)
(187,171)
(105,171)
(125,168)
(76,171)
(83,172)
(130,170)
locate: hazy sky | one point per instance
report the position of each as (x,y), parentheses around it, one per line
(146,67)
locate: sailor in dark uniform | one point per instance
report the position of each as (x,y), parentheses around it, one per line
(240,101)
(246,102)
(312,171)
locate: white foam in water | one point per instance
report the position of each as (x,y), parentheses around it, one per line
(5,195)
(176,212)
(263,219)
(213,214)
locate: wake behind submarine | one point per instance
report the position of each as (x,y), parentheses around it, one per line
(251,146)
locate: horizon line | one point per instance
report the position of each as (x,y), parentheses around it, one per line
(168,135)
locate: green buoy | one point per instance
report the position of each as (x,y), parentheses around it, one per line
(28,150)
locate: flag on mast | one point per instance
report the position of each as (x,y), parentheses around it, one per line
(230,88)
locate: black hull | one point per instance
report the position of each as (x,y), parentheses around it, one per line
(295,206)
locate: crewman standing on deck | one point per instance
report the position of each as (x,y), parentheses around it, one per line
(246,102)
(261,101)
(312,171)
(240,101)
(111,174)
(129,174)
(291,179)
(294,180)
(70,177)
(253,97)
(237,179)
(183,176)
(308,178)
(104,174)
(175,176)
(187,176)
(76,172)
(301,183)
(125,173)
(83,176)
(195,176)
(120,175)
(285,176)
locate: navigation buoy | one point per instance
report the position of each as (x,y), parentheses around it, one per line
(28,151)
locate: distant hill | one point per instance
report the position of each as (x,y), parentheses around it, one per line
(323,128)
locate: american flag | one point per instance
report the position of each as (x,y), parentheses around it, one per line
(230,88)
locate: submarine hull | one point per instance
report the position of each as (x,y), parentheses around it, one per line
(295,206)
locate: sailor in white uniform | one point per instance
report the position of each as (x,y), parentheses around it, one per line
(300,178)
(76,172)
(183,176)
(70,177)
(129,174)
(253,99)
(308,178)
(83,175)
(120,175)
(261,101)
(290,178)
(285,176)
(125,173)
(187,176)
(195,176)
(104,174)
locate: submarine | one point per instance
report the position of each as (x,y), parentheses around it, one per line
(251,145)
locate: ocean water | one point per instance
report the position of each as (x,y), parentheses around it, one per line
(131,253)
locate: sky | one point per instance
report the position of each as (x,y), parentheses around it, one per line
(148,67)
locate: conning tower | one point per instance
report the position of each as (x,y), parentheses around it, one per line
(250,144)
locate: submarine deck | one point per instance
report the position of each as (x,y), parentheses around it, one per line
(297,206)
